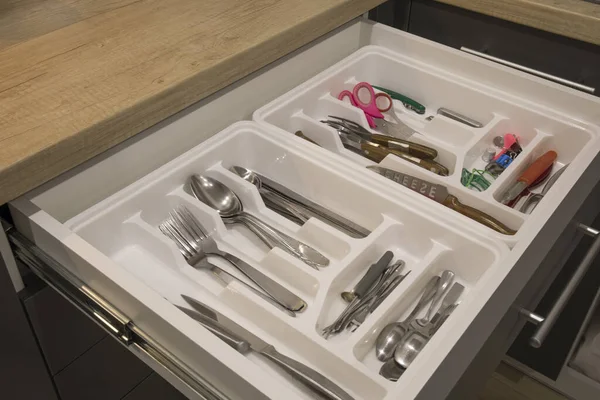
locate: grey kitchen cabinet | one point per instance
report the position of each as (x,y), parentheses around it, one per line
(543,51)
(106,372)
(21,362)
(63,332)
(154,388)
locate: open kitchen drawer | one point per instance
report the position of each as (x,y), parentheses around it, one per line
(99,220)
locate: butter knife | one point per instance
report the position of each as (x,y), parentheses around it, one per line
(235,335)
(295,205)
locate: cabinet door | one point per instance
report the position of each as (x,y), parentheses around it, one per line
(546,52)
(21,361)
(63,332)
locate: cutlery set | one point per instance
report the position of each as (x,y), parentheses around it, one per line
(399,343)
(364,273)
(373,288)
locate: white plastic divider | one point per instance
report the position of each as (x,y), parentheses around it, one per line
(124,227)
(459,146)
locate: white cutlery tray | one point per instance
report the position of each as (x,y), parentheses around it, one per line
(459,146)
(124,228)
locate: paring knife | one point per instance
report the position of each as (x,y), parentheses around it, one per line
(377,152)
(393,142)
(440,194)
(243,341)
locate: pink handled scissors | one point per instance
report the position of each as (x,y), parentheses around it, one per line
(363,96)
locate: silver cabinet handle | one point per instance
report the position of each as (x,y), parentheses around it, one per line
(531,71)
(106,315)
(544,325)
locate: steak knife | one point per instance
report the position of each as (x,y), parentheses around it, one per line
(236,336)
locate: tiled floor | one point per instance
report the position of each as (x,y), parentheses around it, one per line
(509,384)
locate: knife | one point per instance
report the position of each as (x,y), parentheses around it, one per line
(440,194)
(307,208)
(377,152)
(236,336)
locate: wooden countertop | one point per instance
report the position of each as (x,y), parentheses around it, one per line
(80,76)
(576,19)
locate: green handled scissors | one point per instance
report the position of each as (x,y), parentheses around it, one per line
(407,101)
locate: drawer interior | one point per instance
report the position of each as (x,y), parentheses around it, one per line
(101,220)
(459,146)
(125,228)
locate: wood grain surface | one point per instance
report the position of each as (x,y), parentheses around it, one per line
(80,76)
(576,19)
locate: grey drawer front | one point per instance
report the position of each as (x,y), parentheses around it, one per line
(553,54)
(64,333)
(154,388)
(108,371)
(23,374)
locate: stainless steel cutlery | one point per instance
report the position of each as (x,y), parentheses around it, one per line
(196,246)
(294,206)
(377,283)
(399,343)
(230,208)
(242,340)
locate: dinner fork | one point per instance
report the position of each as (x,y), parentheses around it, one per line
(196,246)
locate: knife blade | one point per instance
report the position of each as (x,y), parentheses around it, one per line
(311,378)
(228,337)
(440,194)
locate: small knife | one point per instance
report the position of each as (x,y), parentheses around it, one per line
(235,335)
(377,152)
(440,194)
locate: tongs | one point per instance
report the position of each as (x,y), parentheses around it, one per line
(405,146)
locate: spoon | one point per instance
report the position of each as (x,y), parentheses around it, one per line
(443,285)
(230,208)
(391,371)
(392,334)
(409,349)
(411,346)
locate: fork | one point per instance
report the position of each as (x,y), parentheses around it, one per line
(196,246)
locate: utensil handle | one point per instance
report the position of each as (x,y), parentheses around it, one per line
(414,105)
(276,238)
(313,209)
(395,283)
(415,149)
(273,289)
(431,165)
(311,378)
(443,286)
(271,198)
(428,293)
(374,152)
(373,272)
(538,167)
(479,216)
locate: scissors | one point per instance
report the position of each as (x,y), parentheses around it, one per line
(363,96)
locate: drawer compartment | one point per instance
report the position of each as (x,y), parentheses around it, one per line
(459,146)
(100,220)
(124,228)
